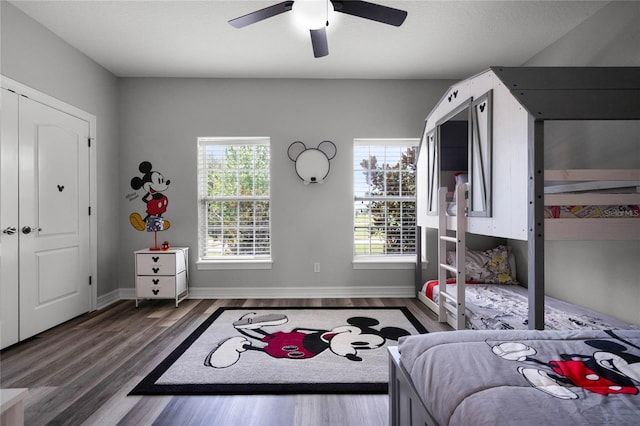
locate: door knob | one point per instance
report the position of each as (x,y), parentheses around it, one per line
(27,229)
(10,230)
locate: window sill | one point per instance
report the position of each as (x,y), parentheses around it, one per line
(217,265)
(384,262)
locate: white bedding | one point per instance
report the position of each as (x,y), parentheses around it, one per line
(505,307)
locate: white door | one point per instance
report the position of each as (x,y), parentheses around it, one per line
(9,219)
(54,227)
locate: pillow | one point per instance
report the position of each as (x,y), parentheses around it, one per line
(496,265)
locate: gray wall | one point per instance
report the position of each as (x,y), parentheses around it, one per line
(34,56)
(161,120)
(602,275)
(608,38)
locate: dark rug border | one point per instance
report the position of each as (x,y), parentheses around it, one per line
(148,385)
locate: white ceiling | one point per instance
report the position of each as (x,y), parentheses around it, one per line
(185,38)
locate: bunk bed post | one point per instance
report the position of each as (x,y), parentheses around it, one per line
(418,270)
(442,254)
(461,247)
(535,221)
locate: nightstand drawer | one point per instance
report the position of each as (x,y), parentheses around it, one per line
(162,287)
(159,263)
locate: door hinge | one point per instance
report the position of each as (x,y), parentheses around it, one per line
(89,141)
(89,279)
(89,210)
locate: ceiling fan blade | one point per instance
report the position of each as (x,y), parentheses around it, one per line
(262,14)
(319,42)
(372,11)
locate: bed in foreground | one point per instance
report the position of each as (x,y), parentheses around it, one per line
(523,377)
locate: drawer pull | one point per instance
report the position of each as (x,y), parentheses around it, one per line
(155,270)
(155,258)
(155,282)
(155,291)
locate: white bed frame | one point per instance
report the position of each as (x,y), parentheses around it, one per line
(507,109)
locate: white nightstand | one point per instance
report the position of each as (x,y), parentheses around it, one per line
(162,274)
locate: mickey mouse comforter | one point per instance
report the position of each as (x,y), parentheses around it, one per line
(527,377)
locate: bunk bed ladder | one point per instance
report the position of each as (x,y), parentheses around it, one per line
(457,311)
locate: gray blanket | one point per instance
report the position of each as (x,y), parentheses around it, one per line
(577,377)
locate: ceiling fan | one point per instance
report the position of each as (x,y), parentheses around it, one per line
(361,9)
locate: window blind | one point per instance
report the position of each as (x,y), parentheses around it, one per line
(384,197)
(234,197)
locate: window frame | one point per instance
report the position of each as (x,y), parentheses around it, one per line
(228,262)
(381,261)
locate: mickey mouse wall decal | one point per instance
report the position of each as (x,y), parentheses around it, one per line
(312,164)
(153,183)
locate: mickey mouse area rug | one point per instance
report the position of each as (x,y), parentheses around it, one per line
(284,351)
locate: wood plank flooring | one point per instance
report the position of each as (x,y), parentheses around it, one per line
(80,372)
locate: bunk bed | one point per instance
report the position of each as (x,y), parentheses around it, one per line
(506,376)
(605,204)
(490,128)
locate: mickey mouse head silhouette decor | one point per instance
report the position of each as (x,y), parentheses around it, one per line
(312,164)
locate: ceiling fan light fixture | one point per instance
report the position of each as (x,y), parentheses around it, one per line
(314,17)
(313,14)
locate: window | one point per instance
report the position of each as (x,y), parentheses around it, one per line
(385,199)
(233,192)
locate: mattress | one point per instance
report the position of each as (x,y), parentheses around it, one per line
(526,377)
(506,307)
(582,212)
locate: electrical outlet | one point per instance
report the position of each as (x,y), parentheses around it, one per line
(316,267)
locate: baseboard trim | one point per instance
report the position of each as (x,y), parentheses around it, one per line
(272,293)
(298,292)
(114,296)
